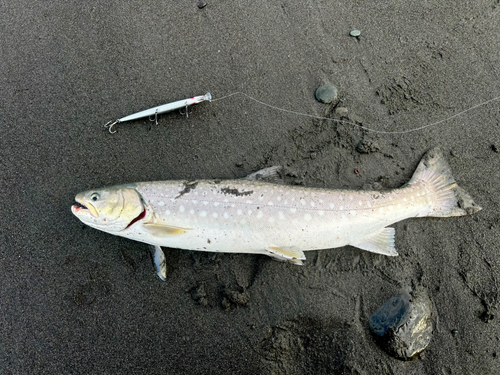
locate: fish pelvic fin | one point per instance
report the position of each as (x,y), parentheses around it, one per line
(448,199)
(381,242)
(291,255)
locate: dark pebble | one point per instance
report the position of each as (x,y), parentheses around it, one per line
(327,94)
(403,325)
(495,148)
(202,4)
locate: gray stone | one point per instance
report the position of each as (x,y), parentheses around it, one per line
(342,111)
(327,93)
(403,325)
(355,33)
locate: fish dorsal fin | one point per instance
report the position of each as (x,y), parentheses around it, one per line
(163,230)
(381,242)
(271,174)
(286,254)
(159,261)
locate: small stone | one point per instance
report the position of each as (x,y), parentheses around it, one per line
(454,332)
(355,33)
(202,4)
(403,325)
(342,111)
(367,147)
(327,94)
(495,148)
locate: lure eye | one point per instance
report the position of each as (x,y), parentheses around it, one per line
(95,197)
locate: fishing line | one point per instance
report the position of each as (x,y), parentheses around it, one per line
(354,124)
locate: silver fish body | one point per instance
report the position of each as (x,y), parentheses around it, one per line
(249,216)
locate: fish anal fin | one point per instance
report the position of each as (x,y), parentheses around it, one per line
(381,242)
(159,261)
(162,230)
(291,255)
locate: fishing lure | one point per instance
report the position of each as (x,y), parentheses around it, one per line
(159,110)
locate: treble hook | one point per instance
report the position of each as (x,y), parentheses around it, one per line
(110,125)
(156,117)
(185,112)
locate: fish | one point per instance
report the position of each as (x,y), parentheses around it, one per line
(260,215)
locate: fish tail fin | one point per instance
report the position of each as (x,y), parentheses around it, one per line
(448,199)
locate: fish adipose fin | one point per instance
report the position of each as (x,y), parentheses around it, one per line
(381,242)
(448,199)
(161,230)
(159,261)
(294,256)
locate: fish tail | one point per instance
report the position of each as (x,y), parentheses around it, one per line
(447,198)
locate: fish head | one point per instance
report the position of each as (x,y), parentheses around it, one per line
(111,209)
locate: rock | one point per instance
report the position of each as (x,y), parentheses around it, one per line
(403,325)
(342,111)
(355,33)
(202,4)
(327,94)
(367,147)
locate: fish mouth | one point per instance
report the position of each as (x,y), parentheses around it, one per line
(83,207)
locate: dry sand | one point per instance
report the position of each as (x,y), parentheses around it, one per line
(74,300)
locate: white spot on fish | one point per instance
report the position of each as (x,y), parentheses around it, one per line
(271,219)
(203,213)
(194,201)
(205,202)
(279,199)
(249,202)
(353,213)
(226,215)
(307,217)
(191,211)
(351,197)
(321,213)
(215,215)
(161,203)
(303,202)
(239,212)
(341,208)
(216,204)
(249,212)
(281,215)
(285,202)
(360,203)
(167,212)
(313,204)
(243,221)
(270,203)
(293,210)
(181,209)
(332,206)
(261,198)
(259,215)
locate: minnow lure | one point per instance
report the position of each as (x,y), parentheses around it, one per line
(159,110)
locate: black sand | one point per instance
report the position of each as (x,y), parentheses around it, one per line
(74,300)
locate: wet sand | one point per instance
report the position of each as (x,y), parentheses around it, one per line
(74,300)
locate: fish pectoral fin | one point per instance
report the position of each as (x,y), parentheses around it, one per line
(162,230)
(381,242)
(291,255)
(159,261)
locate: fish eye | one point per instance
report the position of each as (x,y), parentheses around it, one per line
(95,196)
